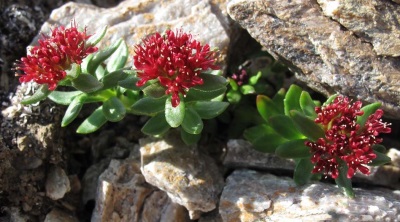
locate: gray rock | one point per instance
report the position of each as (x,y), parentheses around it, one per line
(253,196)
(57,215)
(324,55)
(133,20)
(57,183)
(189,178)
(240,153)
(376,22)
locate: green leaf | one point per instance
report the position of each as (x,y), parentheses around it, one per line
(156,125)
(247,89)
(118,58)
(380,159)
(100,71)
(85,62)
(278,100)
(73,109)
(292,98)
(149,106)
(63,98)
(307,105)
(112,79)
(330,99)
(86,83)
(368,111)
(74,71)
(174,115)
(212,87)
(114,110)
(209,109)
(343,182)
(93,122)
(233,84)
(254,79)
(307,126)
(190,139)
(285,127)
(233,96)
(379,148)
(266,107)
(41,93)
(101,56)
(303,171)
(293,149)
(264,138)
(154,90)
(96,38)
(192,122)
(129,83)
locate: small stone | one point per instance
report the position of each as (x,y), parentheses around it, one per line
(57,183)
(189,178)
(57,215)
(394,154)
(254,196)
(241,154)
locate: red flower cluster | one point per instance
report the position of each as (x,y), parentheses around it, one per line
(175,59)
(47,62)
(345,139)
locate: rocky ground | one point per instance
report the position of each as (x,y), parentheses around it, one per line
(49,173)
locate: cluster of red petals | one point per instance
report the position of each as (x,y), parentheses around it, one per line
(175,59)
(46,63)
(241,78)
(345,140)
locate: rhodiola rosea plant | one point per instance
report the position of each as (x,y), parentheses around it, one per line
(174,80)
(334,140)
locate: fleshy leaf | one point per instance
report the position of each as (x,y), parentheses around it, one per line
(233,96)
(263,138)
(174,115)
(380,159)
(154,90)
(190,139)
(74,71)
(266,107)
(307,126)
(343,182)
(293,149)
(118,58)
(254,79)
(302,172)
(247,89)
(96,38)
(379,148)
(292,98)
(86,83)
(93,122)
(85,62)
(212,87)
(41,93)
(330,99)
(73,109)
(156,125)
(129,83)
(209,109)
(233,84)
(101,56)
(307,105)
(112,79)
(114,110)
(149,106)
(278,100)
(368,111)
(192,122)
(285,127)
(63,98)
(100,72)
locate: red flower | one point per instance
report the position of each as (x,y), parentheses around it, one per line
(175,59)
(47,62)
(345,139)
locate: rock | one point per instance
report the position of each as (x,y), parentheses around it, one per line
(371,22)
(190,178)
(133,20)
(57,215)
(253,196)
(123,195)
(327,57)
(90,180)
(394,154)
(241,154)
(57,183)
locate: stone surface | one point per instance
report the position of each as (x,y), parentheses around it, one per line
(188,177)
(327,57)
(133,20)
(124,195)
(241,154)
(253,196)
(376,21)
(57,215)
(57,183)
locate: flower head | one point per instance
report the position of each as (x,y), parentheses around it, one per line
(241,78)
(345,140)
(175,60)
(46,63)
